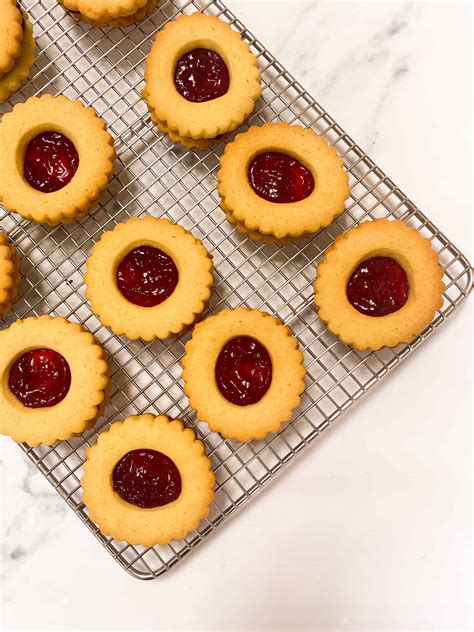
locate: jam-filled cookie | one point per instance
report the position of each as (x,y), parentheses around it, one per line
(12,80)
(54,379)
(202,80)
(243,373)
(9,274)
(147,481)
(83,11)
(56,158)
(148,278)
(380,284)
(11,35)
(281,181)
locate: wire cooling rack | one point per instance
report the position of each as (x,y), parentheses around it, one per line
(104,68)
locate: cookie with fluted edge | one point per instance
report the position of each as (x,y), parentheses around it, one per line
(254,234)
(177,312)
(12,80)
(282,220)
(9,273)
(209,119)
(103,10)
(125,521)
(253,421)
(87,396)
(94,145)
(187,141)
(11,35)
(412,252)
(119,22)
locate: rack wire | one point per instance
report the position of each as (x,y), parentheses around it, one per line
(104,68)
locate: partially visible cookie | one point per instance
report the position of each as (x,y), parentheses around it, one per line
(11,35)
(120,22)
(12,80)
(9,273)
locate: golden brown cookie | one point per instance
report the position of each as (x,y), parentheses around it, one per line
(147,481)
(11,35)
(54,380)
(201,78)
(12,80)
(9,273)
(56,158)
(380,284)
(243,373)
(148,278)
(105,10)
(282,180)
(119,22)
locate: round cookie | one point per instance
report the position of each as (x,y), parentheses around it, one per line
(35,405)
(382,239)
(9,274)
(273,351)
(290,219)
(148,523)
(94,149)
(216,115)
(104,10)
(121,22)
(11,34)
(12,80)
(189,273)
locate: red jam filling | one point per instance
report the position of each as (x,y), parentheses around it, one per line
(243,371)
(40,378)
(276,177)
(201,75)
(378,286)
(146,276)
(50,162)
(146,478)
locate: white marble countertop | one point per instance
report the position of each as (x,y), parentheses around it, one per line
(370,529)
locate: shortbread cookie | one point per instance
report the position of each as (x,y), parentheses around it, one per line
(148,278)
(243,373)
(147,481)
(11,35)
(56,158)
(282,180)
(12,80)
(201,78)
(190,143)
(55,380)
(120,22)
(103,10)
(380,284)
(9,273)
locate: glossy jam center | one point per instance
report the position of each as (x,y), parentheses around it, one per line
(50,162)
(146,276)
(378,286)
(40,378)
(277,177)
(146,478)
(243,371)
(201,75)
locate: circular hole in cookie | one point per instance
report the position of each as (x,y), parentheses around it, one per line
(147,478)
(147,276)
(277,177)
(201,75)
(243,371)
(40,378)
(50,162)
(378,286)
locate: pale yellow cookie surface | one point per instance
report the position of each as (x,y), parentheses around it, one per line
(125,521)
(12,80)
(9,273)
(11,34)
(411,251)
(254,421)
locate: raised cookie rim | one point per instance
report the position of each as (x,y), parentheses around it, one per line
(141,526)
(170,317)
(11,81)
(283,396)
(413,252)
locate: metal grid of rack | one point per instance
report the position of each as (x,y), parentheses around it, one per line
(104,68)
